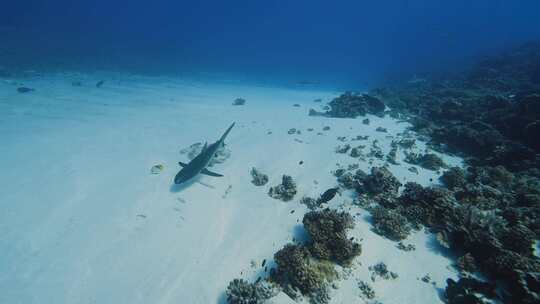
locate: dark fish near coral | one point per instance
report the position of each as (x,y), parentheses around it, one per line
(328,195)
(100,83)
(24,90)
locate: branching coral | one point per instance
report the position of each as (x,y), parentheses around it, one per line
(242,292)
(284,191)
(328,237)
(390,223)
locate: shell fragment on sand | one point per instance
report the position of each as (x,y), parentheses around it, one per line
(157,169)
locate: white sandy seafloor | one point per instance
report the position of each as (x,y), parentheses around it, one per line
(83,221)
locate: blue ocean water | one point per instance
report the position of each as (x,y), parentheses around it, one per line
(111,111)
(343,43)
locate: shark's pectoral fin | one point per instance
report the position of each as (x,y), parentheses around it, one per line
(208,172)
(182,164)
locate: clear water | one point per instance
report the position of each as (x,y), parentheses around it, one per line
(120,90)
(349,44)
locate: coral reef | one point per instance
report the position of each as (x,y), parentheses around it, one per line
(381,180)
(284,191)
(356,152)
(381,270)
(390,223)
(408,247)
(467,263)
(352,105)
(453,178)
(488,214)
(428,161)
(258,178)
(292,131)
(391,157)
(490,113)
(308,269)
(432,205)
(347,180)
(297,270)
(310,202)
(328,237)
(242,292)
(525,287)
(465,290)
(366,290)
(343,149)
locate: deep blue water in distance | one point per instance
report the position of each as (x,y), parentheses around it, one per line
(346,43)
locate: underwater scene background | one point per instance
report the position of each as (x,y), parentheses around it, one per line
(349,43)
(250,152)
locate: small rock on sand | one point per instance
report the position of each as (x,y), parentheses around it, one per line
(239,102)
(24,90)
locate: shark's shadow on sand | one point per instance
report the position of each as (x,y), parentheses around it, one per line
(176,188)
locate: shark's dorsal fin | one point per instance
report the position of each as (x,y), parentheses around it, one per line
(208,172)
(182,164)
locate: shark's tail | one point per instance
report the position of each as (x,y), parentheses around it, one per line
(226,133)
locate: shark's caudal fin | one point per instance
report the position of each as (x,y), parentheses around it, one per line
(226,133)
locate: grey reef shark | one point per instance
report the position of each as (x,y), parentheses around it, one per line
(201,161)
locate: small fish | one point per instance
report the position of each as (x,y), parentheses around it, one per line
(328,195)
(292,211)
(100,83)
(263,263)
(301,162)
(24,90)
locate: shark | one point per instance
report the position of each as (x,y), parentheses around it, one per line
(198,165)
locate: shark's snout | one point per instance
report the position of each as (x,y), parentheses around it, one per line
(181,178)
